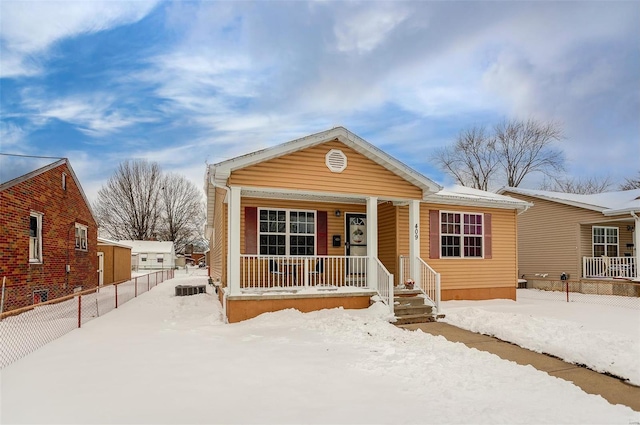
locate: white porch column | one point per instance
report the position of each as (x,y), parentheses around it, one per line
(414,241)
(372,241)
(233,237)
(636,243)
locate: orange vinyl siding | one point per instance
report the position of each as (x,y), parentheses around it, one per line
(217,246)
(478,278)
(335,225)
(387,246)
(306,170)
(552,240)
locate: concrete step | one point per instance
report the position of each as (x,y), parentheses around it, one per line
(407,310)
(399,301)
(406,292)
(414,318)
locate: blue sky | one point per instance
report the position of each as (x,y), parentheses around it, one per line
(190,83)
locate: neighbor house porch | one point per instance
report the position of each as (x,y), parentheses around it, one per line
(611,248)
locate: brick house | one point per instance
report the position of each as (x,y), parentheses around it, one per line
(48,234)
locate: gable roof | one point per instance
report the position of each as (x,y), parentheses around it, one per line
(608,203)
(220,172)
(30,172)
(149,246)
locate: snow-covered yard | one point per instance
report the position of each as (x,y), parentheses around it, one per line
(166,359)
(589,332)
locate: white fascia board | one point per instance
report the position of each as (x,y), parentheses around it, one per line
(621,211)
(552,199)
(477,202)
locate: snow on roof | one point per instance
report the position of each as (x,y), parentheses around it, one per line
(470,196)
(105,241)
(609,203)
(149,246)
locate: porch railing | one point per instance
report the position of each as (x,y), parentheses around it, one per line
(385,284)
(608,267)
(428,281)
(264,272)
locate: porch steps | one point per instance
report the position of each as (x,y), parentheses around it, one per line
(409,307)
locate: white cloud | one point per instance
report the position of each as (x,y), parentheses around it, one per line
(31,27)
(366,28)
(94,114)
(11,135)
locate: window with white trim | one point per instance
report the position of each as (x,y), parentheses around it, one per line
(287,232)
(81,237)
(160,258)
(461,235)
(35,237)
(605,241)
(143,257)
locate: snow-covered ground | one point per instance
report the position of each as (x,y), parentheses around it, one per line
(166,359)
(602,337)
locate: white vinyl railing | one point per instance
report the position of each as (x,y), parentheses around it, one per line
(608,267)
(286,272)
(385,285)
(428,281)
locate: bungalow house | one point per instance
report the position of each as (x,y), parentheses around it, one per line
(586,237)
(151,255)
(329,220)
(114,262)
(48,233)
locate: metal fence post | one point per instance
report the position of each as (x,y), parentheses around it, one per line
(135,284)
(116,287)
(148,284)
(79,310)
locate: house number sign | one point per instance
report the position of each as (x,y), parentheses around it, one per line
(416,233)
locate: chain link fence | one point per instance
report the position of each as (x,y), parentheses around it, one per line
(24,330)
(616,293)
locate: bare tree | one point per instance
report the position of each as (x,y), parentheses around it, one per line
(584,186)
(182,212)
(506,156)
(127,207)
(631,183)
(524,147)
(472,161)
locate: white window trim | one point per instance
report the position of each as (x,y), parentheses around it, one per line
(461,235)
(83,243)
(143,257)
(36,259)
(287,233)
(605,243)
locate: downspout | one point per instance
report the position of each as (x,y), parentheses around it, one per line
(636,243)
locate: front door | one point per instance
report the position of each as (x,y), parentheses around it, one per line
(356,243)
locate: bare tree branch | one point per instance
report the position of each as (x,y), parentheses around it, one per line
(127,207)
(472,160)
(631,183)
(584,186)
(524,147)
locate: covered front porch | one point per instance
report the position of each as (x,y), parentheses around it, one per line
(260,281)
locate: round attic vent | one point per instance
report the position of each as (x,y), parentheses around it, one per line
(336,160)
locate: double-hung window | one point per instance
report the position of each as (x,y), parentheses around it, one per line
(81,237)
(461,235)
(35,237)
(605,241)
(287,232)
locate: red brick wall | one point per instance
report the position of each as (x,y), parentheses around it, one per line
(61,209)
